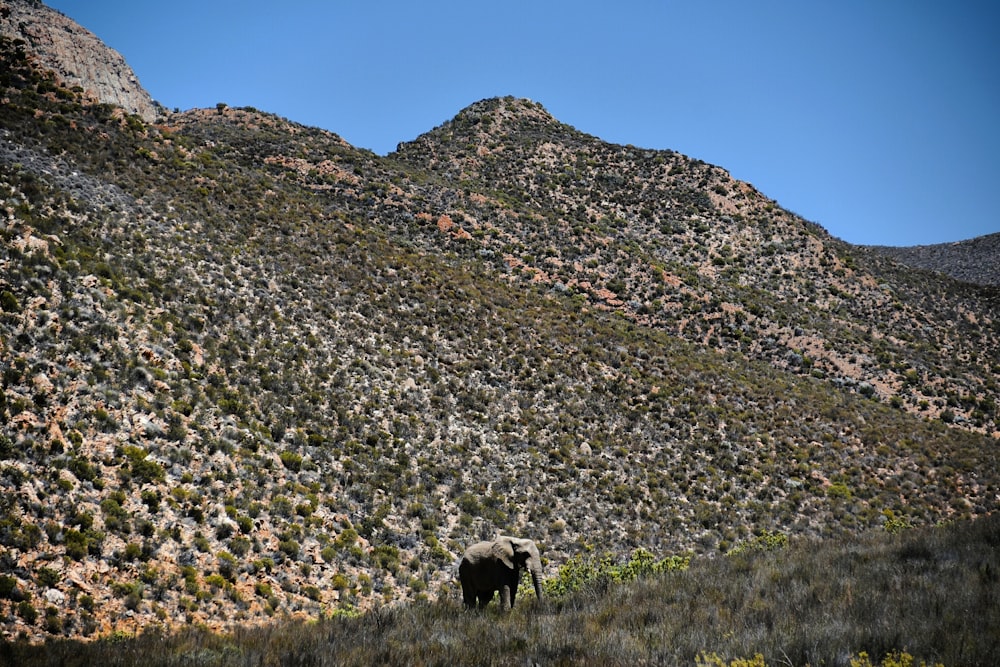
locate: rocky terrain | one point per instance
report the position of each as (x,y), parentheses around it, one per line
(973,261)
(252,371)
(75,55)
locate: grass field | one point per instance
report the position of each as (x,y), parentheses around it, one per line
(919,596)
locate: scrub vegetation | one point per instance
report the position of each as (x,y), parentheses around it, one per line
(855,602)
(254,375)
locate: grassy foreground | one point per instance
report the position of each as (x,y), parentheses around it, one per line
(929,595)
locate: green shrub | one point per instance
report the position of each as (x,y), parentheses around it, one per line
(228,565)
(76,544)
(291,460)
(53,621)
(8,302)
(239,546)
(142,469)
(578,573)
(714,660)
(8,588)
(245,524)
(48,577)
(289,547)
(892,659)
(151,498)
(27,611)
(766,541)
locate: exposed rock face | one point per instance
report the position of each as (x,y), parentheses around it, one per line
(76,55)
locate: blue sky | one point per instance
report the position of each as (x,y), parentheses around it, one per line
(877,119)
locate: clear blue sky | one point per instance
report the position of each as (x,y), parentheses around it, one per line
(878,119)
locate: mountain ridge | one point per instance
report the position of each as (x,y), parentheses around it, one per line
(975,260)
(251,370)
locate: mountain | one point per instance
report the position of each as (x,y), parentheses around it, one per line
(250,370)
(974,261)
(75,55)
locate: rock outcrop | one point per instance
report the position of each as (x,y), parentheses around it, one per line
(76,55)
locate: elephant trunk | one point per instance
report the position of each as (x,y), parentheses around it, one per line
(535,568)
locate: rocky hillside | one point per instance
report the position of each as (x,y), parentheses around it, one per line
(678,245)
(75,55)
(250,370)
(973,261)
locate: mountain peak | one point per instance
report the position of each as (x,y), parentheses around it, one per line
(508,107)
(76,55)
(488,126)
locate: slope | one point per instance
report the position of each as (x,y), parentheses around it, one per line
(974,260)
(676,244)
(251,370)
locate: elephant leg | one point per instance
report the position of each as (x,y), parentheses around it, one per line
(505,597)
(484,598)
(468,595)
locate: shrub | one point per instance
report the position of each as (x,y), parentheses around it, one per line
(151,498)
(76,544)
(714,660)
(228,565)
(53,622)
(202,544)
(146,471)
(893,659)
(766,541)
(239,546)
(48,577)
(8,302)
(291,460)
(578,573)
(27,611)
(245,524)
(386,556)
(289,547)
(346,539)
(115,517)
(132,552)
(8,588)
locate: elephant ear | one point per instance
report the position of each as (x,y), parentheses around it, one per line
(503,550)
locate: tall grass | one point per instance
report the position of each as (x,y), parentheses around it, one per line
(928,594)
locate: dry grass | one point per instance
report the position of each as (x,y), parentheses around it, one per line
(931,594)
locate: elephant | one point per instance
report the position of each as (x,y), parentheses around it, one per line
(488,567)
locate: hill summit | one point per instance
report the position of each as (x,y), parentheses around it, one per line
(75,55)
(250,370)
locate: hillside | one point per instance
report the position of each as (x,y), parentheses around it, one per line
(974,261)
(250,370)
